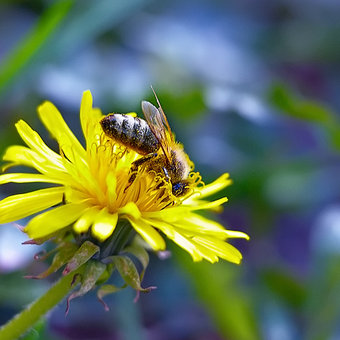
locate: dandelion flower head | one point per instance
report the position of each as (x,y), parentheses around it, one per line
(91,191)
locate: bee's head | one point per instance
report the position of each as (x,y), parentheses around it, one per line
(180,188)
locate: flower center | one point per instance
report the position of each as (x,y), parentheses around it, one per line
(115,185)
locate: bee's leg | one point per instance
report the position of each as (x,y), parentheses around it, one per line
(136,164)
(167,177)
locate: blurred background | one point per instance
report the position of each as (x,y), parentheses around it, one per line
(250,88)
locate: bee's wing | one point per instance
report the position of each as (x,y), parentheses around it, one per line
(163,116)
(159,126)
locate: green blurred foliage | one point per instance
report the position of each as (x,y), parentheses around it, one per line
(39,331)
(187,104)
(229,304)
(17,298)
(323,304)
(284,99)
(233,303)
(286,287)
(25,50)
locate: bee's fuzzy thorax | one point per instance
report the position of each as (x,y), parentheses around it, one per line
(181,162)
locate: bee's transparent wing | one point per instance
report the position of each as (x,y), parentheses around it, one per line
(163,116)
(158,126)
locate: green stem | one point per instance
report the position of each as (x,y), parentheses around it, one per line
(29,316)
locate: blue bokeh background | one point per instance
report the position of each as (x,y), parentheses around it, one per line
(250,88)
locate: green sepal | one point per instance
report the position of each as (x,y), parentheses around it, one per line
(106,290)
(65,253)
(82,255)
(141,254)
(129,273)
(93,271)
(43,255)
(106,274)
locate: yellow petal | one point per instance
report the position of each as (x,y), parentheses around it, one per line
(89,117)
(169,215)
(83,224)
(209,189)
(15,207)
(111,183)
(28,178)
(85,112)
(104,225)
(200,224)
(209,205)
(197,224)
(178,238)
(205,253)
(21,155)
(34,141)
(149,234)
(130,209)
(177,213)
(56,125)
(223,249)
(236,234)
(54,220)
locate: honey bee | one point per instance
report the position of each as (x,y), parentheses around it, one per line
(154,140)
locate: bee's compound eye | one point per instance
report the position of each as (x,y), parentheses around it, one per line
(179,188)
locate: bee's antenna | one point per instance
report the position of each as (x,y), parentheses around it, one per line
(162,112)
(159,104)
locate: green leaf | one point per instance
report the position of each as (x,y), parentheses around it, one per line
(82,255)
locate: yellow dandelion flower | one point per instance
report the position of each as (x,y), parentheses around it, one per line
(92,191)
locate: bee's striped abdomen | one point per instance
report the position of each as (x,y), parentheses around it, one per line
(132,132)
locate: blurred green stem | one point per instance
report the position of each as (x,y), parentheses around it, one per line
(48,22)
(29,316)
